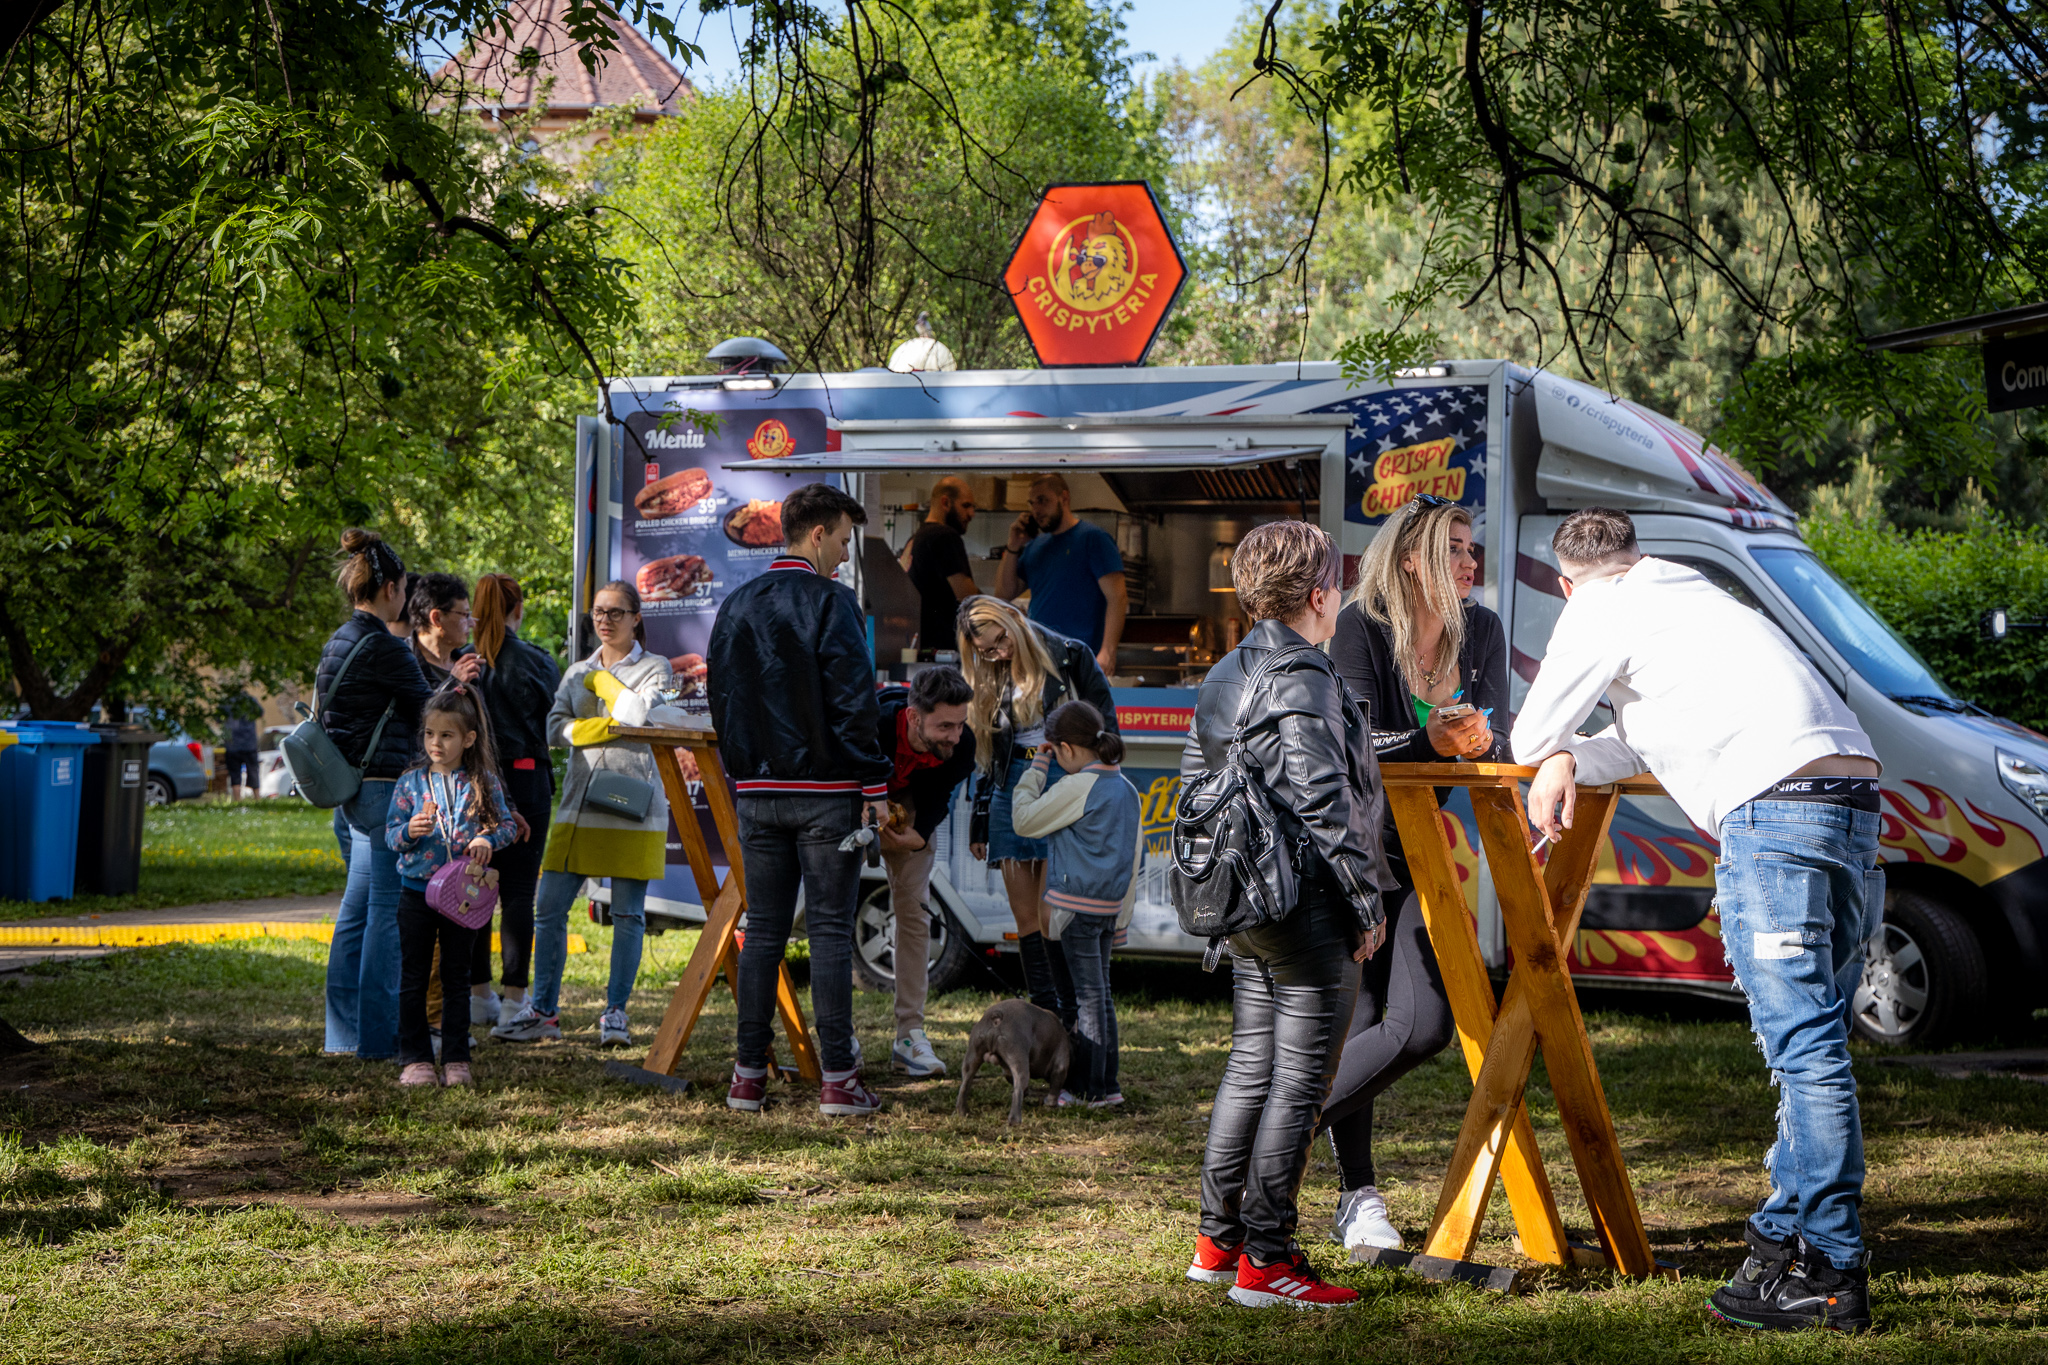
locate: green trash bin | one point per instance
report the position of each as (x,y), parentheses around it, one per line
(110,810)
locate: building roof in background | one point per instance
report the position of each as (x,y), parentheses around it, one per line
(490,74)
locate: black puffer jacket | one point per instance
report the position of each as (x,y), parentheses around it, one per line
(793,688)
(384,674)
(1309,739)
(522,689)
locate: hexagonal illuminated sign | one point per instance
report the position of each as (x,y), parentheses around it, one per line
(1095,274)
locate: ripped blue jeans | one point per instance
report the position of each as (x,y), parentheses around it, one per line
(1800,891)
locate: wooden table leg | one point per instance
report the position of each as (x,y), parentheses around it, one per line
(1534,933)
(723,908)
(1470,992)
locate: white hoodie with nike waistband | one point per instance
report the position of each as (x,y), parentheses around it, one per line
(1708,695)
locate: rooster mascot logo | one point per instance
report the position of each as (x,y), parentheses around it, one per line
(1092,262)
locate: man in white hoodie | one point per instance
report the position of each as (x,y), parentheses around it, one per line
(1715,701)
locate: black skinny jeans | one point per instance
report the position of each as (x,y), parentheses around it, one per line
(1295,985)
(784,840)
(1403,1019)
(420,928)
(531,792)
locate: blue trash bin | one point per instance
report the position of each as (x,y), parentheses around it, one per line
(41,774)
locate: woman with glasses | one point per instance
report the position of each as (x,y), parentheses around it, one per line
(613,820)
(1021,672)
(439,611)
(1431,666)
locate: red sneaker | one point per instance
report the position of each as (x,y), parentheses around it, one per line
(1214,1264)
(847,1099)
(1291,1281)
(747,1092)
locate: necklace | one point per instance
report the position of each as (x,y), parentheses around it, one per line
(1430,675)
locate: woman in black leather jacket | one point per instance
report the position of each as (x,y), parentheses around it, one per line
(1412,643)
(524,679)
(1295,979)
(383,687)
(1021,672)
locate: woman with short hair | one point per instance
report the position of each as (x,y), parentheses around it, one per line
(1021,672)
(1412,646)
(1306,740)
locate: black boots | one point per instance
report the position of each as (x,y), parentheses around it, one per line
(1786,1286)
(1046,979)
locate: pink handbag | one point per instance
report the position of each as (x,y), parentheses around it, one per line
(458,890)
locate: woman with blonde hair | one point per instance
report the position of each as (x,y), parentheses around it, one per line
(1431,666)
(1021,672)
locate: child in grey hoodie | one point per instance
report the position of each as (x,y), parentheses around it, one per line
(1091,820)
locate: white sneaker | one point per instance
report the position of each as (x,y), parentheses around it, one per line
(484,1009)
(611,1029)
(529,1026)
(914,1055)
(1362,1221)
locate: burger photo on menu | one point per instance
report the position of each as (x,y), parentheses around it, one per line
(673,494)
(755,526)
(672,578)
(690,674)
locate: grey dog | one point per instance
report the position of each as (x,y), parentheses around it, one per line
(1027,1041)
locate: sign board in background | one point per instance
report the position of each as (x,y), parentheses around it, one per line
(1406,442)
(2016,372)
(1094,274)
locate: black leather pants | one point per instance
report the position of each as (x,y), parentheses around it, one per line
(1295,987)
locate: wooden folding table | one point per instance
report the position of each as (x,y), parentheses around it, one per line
(1540,910)
(717,952)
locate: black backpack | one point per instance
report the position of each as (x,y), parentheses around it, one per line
(1232,869)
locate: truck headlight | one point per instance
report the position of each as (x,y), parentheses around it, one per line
(2026,779)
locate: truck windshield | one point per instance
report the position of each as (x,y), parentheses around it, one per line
(1858,633)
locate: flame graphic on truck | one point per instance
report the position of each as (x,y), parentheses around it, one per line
(1919,823)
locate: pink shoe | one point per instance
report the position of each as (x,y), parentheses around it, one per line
(418,1073)
(457,1073)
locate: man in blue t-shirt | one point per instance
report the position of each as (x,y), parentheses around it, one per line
(1073,569)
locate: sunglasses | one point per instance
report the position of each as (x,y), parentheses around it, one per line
(1429,501)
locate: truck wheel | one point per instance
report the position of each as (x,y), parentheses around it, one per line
(1923,975)
(874,951)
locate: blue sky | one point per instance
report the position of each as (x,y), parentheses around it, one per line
(1187,29)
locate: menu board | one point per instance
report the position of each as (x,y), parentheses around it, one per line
(692,531)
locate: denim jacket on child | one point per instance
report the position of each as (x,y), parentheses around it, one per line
(419,859)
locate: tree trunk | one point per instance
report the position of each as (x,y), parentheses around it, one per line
(12,1042)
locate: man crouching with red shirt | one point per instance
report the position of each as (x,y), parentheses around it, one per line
(924,728)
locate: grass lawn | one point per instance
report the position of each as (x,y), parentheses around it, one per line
(183,1176)
(216,850)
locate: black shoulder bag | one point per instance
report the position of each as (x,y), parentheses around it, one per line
(1231,869)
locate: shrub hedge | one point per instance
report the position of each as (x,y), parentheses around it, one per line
(1934,588)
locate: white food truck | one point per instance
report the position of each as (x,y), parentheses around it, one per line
(1179,463)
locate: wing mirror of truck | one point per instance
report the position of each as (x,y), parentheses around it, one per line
(1999,623)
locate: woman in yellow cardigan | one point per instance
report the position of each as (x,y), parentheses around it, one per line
(590,838)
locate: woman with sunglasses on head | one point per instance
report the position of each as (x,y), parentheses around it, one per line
(370,708)
(613,820)
(1431,666)
(1021,672)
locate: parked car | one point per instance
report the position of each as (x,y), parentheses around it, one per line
(179,769)
(272,777)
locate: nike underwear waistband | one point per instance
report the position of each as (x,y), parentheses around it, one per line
(1857,793)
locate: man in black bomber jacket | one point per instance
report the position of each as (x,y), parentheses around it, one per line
(793,697)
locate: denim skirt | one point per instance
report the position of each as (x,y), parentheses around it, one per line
(1004,843)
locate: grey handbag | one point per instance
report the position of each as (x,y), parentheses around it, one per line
(318,770)
(620,795)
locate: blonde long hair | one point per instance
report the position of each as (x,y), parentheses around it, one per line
(1390,596)
(1027,667)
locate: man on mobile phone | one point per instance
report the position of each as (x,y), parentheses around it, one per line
(1753,744)
(793,697)
(1073,569)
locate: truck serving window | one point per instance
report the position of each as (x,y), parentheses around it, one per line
(1888,663)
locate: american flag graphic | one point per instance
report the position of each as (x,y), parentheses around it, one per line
(1409,441)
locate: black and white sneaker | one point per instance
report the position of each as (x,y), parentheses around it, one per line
(1789,1287)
